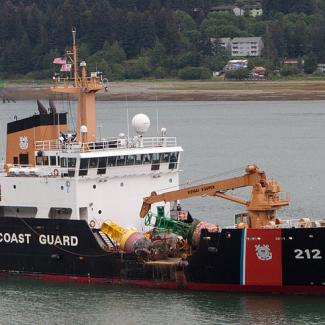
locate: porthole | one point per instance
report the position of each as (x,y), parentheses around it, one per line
(170,180)
(121,184)
(94,186)
(99,211)
(62,188)
(14,186)
(228,235)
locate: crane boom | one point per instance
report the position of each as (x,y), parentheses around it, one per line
(264,201)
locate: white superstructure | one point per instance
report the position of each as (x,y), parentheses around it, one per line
(92,181)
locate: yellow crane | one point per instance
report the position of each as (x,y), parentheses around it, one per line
(265,198)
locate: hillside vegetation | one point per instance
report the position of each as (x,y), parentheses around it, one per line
(131,39)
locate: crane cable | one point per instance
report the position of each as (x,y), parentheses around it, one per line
(199,180)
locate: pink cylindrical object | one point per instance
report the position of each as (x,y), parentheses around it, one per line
(129,244)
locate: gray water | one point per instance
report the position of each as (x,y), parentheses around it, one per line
(219,139)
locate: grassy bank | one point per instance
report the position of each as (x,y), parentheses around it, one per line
(190,90)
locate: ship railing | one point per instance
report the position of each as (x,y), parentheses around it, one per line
(305,222)
(49,145)
(105,144)
(93,81)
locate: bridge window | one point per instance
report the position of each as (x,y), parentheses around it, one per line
(93,162)
(111,161)
(155,161)
(130,160)
(138,160)
(173,160)
(164,157)
(72,162)
(23,159)
(146,158)
(120,160)
(101,165)
(84,164)
(64,162)
(53,160)
(42,160)
(39,161)
(45,160)
(71,166)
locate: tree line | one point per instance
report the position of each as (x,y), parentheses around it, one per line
(129,39)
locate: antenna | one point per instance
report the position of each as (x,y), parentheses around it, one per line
(75,61)
(127,121)
(127,113)
(100,126)
(157,112)
(157,118)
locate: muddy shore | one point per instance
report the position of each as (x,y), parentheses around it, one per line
(197,91)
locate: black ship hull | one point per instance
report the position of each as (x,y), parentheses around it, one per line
(242,260)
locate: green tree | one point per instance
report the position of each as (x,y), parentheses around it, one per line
(310,63)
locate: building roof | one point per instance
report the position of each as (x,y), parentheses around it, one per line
(224,39)
(217,8)
(255,6)
(247,39)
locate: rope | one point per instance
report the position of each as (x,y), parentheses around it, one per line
(182,185)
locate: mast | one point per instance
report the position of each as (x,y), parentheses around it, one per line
(75,60)
(84,88)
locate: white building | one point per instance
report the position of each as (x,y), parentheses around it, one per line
(253,10)
(321,67)
(240,46)
(246,46)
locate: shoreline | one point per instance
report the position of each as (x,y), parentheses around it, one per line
(188,91)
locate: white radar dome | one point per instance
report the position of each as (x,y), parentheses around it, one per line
(83,129)
(141,123)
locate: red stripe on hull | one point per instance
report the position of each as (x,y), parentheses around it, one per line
(302,289)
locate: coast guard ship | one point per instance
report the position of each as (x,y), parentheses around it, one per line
(70,205)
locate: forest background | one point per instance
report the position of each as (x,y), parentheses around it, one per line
(134,39)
